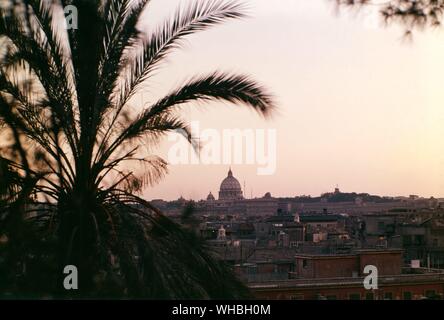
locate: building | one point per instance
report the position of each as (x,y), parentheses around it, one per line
(400,287)
(316,266)
(231,201)
(423,241)
(230,188)
(341,277)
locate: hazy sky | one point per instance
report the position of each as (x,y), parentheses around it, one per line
(358,106)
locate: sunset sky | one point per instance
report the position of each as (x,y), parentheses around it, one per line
(358,106)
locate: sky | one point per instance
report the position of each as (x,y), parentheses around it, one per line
(358,106)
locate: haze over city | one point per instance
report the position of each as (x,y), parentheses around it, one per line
(359,106)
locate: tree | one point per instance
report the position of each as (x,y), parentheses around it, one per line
(65,109)
(411,14)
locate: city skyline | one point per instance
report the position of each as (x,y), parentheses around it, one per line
(248,194)
(339,120)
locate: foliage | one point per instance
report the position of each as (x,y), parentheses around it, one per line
(411,14)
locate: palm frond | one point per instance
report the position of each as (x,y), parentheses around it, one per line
(197,17)
(151,130)
(163,249)
(216,86)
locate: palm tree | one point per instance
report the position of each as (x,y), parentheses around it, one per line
(65,109)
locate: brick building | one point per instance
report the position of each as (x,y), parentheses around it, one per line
(341,276)
(314,266)
(400,287)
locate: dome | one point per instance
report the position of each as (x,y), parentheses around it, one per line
(230,188)
(210,197)
(230,183)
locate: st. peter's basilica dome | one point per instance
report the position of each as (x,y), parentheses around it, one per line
(230,188)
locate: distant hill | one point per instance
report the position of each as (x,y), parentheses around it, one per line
(344,197)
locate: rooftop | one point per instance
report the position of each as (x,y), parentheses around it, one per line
(320,218)
(432,277)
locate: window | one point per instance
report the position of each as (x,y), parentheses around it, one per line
(355,296)
(297,297)
(407,295)
(331,297)
(304,263)
(369,296)
(388,296)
